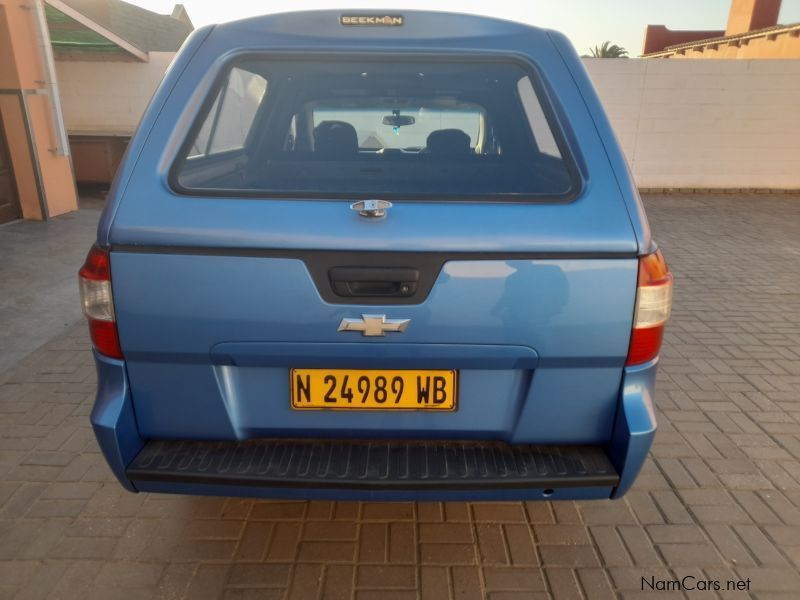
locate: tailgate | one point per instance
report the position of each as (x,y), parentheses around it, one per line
(209,348)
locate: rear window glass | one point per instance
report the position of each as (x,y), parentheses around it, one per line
(400,128)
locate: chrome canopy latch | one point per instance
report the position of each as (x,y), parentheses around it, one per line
(371,208)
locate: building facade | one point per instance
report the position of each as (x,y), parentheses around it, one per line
(110,56)
(75,77)
(752,32)
(36,180)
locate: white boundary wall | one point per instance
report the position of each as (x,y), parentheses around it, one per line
(694,123)
(682,123)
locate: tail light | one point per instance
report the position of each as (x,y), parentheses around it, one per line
(98,303)
(653,305)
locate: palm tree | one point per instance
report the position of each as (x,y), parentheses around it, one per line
(608,50)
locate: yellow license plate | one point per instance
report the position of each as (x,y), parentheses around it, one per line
(348,389)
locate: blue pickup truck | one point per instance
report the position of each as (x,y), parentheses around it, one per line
(375,256)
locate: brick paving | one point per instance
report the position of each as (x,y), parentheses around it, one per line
(719,499)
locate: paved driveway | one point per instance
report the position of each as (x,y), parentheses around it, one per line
(719,499)
(37,278)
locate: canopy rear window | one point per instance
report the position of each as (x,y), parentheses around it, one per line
(371,128)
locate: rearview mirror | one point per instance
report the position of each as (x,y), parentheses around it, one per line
(398,120)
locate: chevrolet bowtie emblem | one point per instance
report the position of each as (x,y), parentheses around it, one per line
(374,325)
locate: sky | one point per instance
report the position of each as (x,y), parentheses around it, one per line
(586,22)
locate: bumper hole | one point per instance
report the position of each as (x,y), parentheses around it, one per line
(547,493)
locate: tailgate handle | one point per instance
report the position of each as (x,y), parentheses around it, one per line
(387,282)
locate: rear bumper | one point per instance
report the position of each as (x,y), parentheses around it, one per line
(113,419)
(378,471)
(635,424)
(337,468)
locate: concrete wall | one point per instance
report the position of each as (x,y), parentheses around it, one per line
(108,98)
(682,124)
(705,123)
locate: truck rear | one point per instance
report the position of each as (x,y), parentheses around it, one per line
(375,256)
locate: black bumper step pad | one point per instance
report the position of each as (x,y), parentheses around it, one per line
(355,464)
